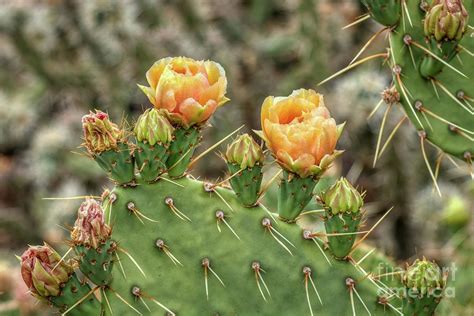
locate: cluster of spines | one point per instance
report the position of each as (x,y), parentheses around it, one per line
(432,37)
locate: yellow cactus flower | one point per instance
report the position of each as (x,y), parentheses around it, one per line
(188,91)
(299,131)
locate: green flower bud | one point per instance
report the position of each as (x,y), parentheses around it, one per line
(342,197)
(446,20)
(424,276)
(154,128)
(43,271)
(90,228)
(100,134)
(244,151)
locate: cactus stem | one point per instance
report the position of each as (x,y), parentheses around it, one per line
(360,62)
(425,158)
(221,218)
(371,39)
(132,208)
(125,301)
(360,19)
(82,299)
(213,147)
(392,134)
(427,51)
(370,231)
(437,82)
(132,259)
(170,203)
(266,222)
(162,246)
(375,109)
(267,185)
(379,138)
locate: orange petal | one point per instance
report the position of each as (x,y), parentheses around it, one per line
(153,74)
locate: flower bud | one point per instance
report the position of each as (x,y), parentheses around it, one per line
(153,128)
(43,271)
(244,151)
(90,228)
(424,277)
(342,197)
(100,134)
(446,20)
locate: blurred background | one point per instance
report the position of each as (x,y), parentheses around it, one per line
(58,59)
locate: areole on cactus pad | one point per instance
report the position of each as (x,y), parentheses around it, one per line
(163,243)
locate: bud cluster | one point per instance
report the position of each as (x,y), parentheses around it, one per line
(446,20)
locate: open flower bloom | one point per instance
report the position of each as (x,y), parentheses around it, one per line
(188,90)
(299,131)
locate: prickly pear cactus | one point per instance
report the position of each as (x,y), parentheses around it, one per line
(161,244)
(431,56)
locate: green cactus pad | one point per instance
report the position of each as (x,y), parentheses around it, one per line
(97,264)
(73,292)
(181,286)
(342,223)
(441,107)
(181,150)
(246,184)
(386,12)
(150,160)
(118,164)
(295,193)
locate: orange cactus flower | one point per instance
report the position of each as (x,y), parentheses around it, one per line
(188,91)
(299,131)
